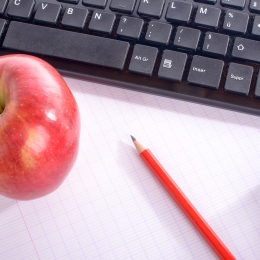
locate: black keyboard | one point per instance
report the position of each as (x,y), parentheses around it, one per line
(204,51)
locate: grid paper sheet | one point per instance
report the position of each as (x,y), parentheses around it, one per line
(111,207)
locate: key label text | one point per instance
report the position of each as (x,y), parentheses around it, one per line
(198,69)
(236,77)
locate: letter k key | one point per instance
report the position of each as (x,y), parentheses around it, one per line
(152,8)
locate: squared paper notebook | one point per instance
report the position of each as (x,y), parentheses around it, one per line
(111,207)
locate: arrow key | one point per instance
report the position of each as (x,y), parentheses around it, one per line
(256,27)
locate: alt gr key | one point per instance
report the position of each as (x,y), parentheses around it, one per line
(143,59)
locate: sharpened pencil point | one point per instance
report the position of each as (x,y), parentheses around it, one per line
(140,148)
(133,138)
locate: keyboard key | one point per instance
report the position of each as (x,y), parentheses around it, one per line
(239,78)
(236,22)
(179,12)
(151,8)
(47,13)
(205,72)
(207,16)
(66,44)
(216,43)
(254,6)
(124,6)
(130,27)
(3,4)
(74,18)
(158,32)
(209,2)
(2,27)
(256,27)
(187,38)
(143,59)
(172,65)
(102,22)
(69,1)
(20,9)
(95,3)
(238,4)
(257,87)
(246,49)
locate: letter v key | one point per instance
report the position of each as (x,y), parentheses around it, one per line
(44,5)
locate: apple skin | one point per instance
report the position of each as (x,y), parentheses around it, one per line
(39,127)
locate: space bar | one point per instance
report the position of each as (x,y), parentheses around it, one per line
(58,43)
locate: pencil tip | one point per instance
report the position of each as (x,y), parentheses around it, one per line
(133,138)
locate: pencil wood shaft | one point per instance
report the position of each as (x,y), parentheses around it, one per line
(183,202)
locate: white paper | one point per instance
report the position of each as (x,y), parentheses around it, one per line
(111,207)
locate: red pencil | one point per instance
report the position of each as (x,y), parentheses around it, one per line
(183,202)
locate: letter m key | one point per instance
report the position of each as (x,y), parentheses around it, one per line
(203,10)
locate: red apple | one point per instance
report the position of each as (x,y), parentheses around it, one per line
(39,128)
